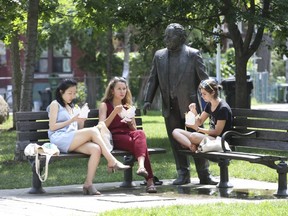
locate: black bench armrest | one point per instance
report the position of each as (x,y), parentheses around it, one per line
(230,133)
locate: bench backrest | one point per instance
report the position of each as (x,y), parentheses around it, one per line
(32,127)
(270,126)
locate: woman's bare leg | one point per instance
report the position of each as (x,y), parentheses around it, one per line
(95,154)
(141,161)
(182,137)
(92,134)
(188,139)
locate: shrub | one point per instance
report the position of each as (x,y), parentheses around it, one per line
(4,110)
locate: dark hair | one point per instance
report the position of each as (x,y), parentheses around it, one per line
(179,30)
(210,85)
(60,90)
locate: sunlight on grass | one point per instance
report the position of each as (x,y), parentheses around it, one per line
(7,124)
(266,208)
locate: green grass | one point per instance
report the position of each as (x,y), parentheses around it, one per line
(15,174)
(266,208)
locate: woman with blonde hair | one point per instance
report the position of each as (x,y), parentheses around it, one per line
(124,132)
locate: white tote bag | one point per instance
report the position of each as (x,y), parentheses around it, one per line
(47,149)
(106,135)
(208,145)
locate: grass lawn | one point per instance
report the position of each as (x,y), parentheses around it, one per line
(265,208)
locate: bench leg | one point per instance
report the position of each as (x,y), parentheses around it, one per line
(36,183)
(128,175)
(282,179)
(224,175)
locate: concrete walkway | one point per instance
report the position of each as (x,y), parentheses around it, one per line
(272,106)
(68,200)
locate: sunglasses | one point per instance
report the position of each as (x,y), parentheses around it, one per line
(204,84)
(120,79)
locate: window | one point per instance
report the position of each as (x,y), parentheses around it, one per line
(2,53)
(55,60)
(42,65)
(62,59)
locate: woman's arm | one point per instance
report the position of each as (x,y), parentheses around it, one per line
(132,124)
(103,113)
(81,122)
(199,120)
(214,132)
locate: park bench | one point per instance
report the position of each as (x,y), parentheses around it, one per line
(259,130)
(32,127)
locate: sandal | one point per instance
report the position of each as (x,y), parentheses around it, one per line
(156,181)
(142,172)
(117,166)
(91,190)
(151,189)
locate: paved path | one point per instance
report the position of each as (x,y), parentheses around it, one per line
(276,106)
(68,200)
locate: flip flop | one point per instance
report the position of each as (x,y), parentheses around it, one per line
(155,180)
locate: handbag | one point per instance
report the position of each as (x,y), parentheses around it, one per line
(106,135)
(47,149)
(208,145)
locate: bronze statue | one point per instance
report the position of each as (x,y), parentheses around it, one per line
(177,70)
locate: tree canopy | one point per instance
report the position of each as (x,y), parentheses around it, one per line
(217,20)
(208,22)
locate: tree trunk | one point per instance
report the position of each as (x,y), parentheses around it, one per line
(244,49)
(93,88)
(16,74)
(126,69)
(109,53)
(30,54)
(242,96)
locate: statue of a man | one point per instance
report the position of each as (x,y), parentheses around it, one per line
(177,70)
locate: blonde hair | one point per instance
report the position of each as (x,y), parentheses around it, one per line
(108,96)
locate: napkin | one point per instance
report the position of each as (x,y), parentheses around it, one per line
(128,114)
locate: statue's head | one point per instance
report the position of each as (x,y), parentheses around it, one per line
(175,36)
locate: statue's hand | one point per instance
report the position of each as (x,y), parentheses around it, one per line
(147,105)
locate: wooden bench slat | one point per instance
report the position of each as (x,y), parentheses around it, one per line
(250,157)
(115,152)
(261,114)
(276,124)
(31,116)
(32,135)
(91,123)
(266,134)
(32,126)
(260,144)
